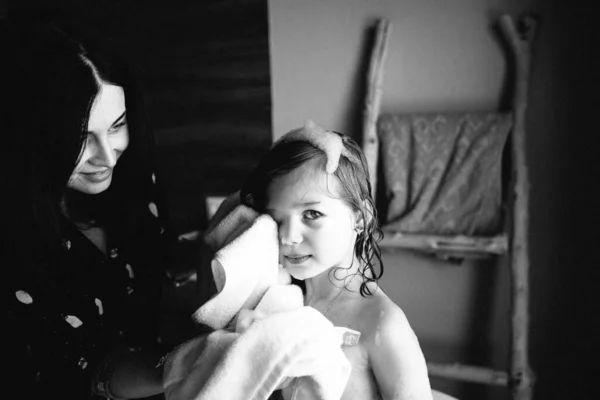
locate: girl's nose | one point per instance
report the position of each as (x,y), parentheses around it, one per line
(290,233)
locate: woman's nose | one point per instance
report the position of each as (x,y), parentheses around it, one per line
(104,154)
(290,233)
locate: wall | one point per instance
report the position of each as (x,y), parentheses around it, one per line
(442,55)
(445,55)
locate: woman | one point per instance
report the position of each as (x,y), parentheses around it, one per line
(81,235)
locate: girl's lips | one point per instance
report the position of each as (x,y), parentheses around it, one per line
(296,259)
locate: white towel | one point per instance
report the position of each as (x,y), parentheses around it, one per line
(230,220)
(251,365)
(277,298)
(244,266)
(272,340)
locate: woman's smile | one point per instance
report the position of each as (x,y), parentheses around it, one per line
(97,177)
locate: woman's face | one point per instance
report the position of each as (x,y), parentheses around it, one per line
(107,139)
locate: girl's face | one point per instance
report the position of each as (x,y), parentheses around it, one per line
(316,228)
(107,139)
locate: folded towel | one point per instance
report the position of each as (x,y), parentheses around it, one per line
(277,298)
(443,171)
(251,365)
(229,221)
(271,340)
(245,265)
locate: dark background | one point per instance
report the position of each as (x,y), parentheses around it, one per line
(205,67)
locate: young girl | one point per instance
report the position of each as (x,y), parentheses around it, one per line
(315,184)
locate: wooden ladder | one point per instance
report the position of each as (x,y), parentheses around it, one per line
(513,243)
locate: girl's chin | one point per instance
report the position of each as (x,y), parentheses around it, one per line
(298,273)
(303,273)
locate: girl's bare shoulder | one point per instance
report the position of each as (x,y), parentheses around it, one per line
(380,314)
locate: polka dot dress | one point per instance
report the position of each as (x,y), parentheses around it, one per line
(62,329)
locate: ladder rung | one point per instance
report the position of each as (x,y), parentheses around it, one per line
(442,243)
(468,373)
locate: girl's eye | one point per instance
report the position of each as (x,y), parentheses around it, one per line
(312,214)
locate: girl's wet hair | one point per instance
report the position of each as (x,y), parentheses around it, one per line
(352,173)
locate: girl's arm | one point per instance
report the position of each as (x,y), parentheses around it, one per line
(397,360)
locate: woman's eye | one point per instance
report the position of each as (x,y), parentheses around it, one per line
(118,127)
(312,214)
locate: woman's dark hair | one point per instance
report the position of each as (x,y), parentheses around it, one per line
(353,174)
(53,74)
